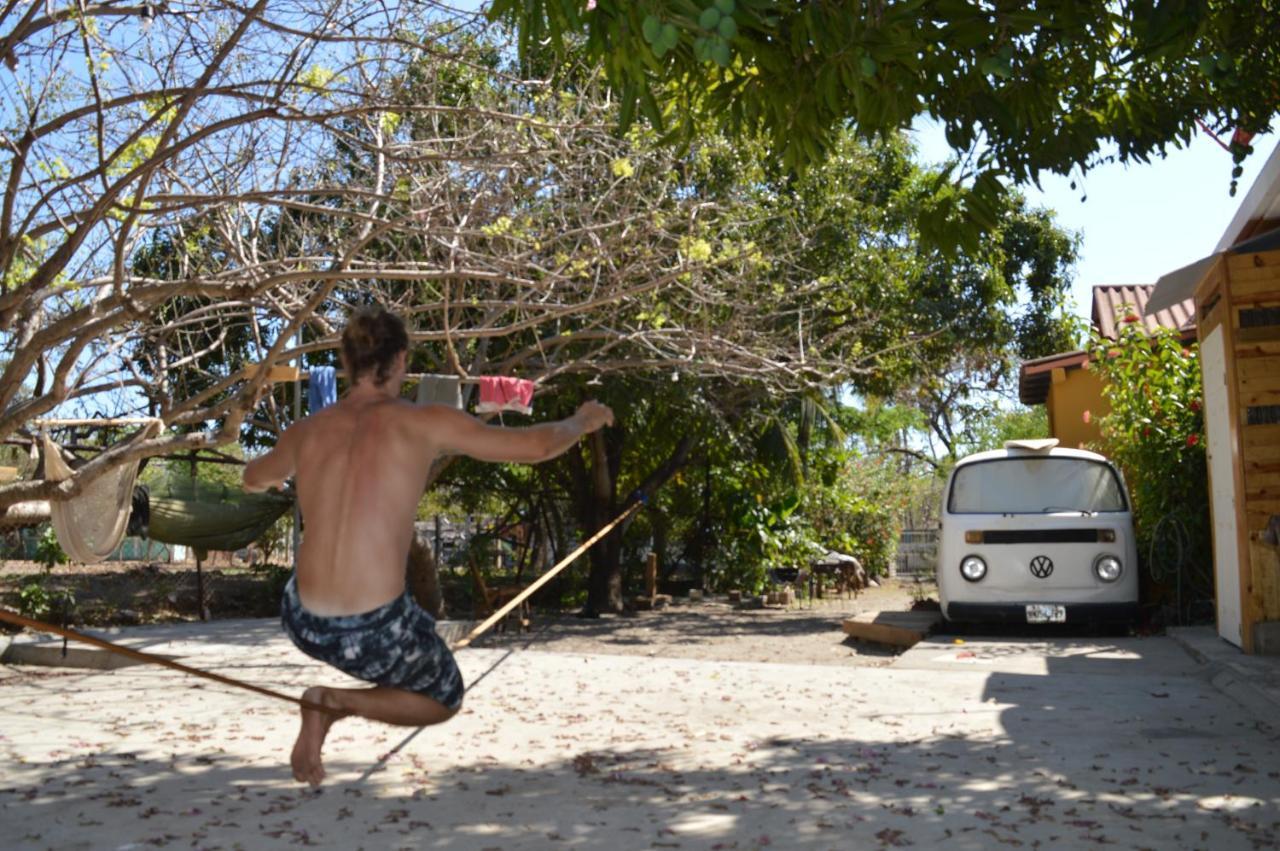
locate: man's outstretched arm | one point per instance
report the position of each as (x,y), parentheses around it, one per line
(458,433)
(272,469)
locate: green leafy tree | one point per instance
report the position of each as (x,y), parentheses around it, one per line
(833,272)
(1058,85)
(1019,423)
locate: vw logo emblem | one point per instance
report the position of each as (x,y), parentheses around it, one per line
(1041,567)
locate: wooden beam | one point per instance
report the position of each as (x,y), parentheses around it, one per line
(900,629)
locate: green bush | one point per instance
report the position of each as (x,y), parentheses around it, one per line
(845,503)
(1155,433)
(48,551)
(34,601)
(858,512)
(762,535)
(276,576)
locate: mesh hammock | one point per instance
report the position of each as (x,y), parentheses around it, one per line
(91,524)
(208,516)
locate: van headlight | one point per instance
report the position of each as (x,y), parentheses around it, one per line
(973,568)
(1107,568)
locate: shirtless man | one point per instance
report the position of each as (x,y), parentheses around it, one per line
(360,468)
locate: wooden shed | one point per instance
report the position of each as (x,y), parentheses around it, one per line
(1237,298)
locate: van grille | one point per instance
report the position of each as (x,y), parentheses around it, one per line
(1040,536)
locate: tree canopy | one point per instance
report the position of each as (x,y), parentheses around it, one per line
(208,195)
(1020,88)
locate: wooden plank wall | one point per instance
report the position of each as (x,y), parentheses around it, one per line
(1254,281)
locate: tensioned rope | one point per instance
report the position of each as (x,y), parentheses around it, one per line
(151,658)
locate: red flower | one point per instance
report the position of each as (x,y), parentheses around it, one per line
(1194,404)
(1131,318)
(1193,439)
(1146,431)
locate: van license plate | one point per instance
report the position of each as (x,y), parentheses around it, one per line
(1045,613)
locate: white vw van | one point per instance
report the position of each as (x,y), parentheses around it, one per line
(1036,534)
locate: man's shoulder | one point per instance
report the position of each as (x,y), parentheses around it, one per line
(435,410)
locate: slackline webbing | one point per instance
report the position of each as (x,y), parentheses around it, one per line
(151,658)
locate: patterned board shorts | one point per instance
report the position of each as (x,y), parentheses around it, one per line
(394,645)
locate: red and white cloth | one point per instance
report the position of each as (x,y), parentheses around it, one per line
(499,393)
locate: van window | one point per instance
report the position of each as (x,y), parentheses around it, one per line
(1035,485)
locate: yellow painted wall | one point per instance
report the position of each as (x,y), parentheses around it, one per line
(1071,393)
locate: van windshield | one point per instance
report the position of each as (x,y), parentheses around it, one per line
(1035,485)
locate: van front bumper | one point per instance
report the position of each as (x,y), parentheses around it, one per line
(1017,612)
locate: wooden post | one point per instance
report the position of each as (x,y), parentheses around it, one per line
(200,586)
(297,415)
(651,576)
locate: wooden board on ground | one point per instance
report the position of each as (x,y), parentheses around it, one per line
(901,629)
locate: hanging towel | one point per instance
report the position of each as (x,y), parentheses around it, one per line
(91,524)
(322,387)
(440,390)
(499,393)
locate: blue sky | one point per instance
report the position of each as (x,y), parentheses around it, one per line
(1143,220)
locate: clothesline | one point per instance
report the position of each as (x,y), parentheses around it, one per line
(497,393)
(98,421)
(409,376)
(302,375)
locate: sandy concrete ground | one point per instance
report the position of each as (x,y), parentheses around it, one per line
(1062,743)
(800,634)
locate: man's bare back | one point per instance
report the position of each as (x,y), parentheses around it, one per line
(360,467)
(359,477)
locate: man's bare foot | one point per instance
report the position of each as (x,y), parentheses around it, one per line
(307,766)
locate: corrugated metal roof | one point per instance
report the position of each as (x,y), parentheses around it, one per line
(1112,303)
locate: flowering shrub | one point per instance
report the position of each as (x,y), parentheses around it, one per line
(858,513)
(1154,432)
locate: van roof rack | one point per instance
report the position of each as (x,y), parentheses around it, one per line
(1043,444)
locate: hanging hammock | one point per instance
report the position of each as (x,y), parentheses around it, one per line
(208,516)
(91,524)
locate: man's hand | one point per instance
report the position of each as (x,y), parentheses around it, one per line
(592,415)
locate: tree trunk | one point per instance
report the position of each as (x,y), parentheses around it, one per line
(661,528)
(604,585)
(424,579)
(422,570)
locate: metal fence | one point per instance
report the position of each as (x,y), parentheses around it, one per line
(22,545)
(917,556)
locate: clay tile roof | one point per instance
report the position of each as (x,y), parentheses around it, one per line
(1111,303)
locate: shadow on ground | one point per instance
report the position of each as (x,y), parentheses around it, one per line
(787,792)
(1107,750)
